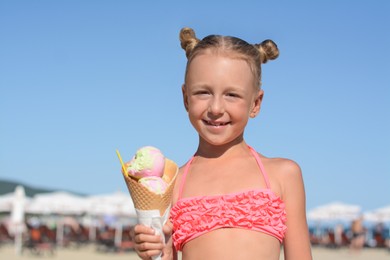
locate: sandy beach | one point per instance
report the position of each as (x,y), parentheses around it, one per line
(89,252)
(320,253)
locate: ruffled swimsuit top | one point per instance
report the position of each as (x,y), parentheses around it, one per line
(259,210)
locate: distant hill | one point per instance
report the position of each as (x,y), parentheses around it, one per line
(7,186)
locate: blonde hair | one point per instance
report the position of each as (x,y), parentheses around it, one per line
(254,54)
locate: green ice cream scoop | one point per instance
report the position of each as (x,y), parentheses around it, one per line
(148,161)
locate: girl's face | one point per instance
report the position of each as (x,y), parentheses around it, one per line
(220,96)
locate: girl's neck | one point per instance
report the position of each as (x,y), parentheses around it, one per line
(208,150)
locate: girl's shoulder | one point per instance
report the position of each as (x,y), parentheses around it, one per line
(284,174)
(282,166)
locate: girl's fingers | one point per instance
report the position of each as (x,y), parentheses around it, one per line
(146,246)
(141,238)
(143,229)
(148,243)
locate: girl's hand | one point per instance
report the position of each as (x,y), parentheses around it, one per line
(147,244)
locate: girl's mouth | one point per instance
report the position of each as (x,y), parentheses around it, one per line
(212,123)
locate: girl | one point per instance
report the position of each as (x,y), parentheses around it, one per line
(229,201)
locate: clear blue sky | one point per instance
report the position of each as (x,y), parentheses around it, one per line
(79,79)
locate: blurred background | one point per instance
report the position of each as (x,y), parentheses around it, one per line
(80,79)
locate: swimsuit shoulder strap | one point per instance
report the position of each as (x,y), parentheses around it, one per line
(260,164)
(183,179)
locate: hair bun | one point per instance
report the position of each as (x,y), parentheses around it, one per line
(268,50)
(188,40)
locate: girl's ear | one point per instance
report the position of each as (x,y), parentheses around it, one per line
(257,104)
(185,97)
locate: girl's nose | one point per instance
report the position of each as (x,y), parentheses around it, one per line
(216,106)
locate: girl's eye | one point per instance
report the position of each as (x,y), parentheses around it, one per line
(232,95)
(202,93)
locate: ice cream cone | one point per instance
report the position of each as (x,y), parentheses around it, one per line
(144,199)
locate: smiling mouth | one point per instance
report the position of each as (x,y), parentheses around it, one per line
(211,123)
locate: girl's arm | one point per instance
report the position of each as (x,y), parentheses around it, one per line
(296,241)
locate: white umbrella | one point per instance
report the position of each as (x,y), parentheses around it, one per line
(335,211)
(62,203)
(378,215)
(116,204)
(6,201)
(17,217)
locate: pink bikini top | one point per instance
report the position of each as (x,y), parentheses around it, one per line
(260,210)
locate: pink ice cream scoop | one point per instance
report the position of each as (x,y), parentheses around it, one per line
(148,161)
(154,184)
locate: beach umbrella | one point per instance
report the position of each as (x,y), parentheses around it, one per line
(6,201)
(17,217)
(59,202)
(335,211)
(378,215)
(115,204)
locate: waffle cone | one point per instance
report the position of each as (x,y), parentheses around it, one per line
(144,199)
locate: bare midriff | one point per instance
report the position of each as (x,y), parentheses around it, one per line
(232,243)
